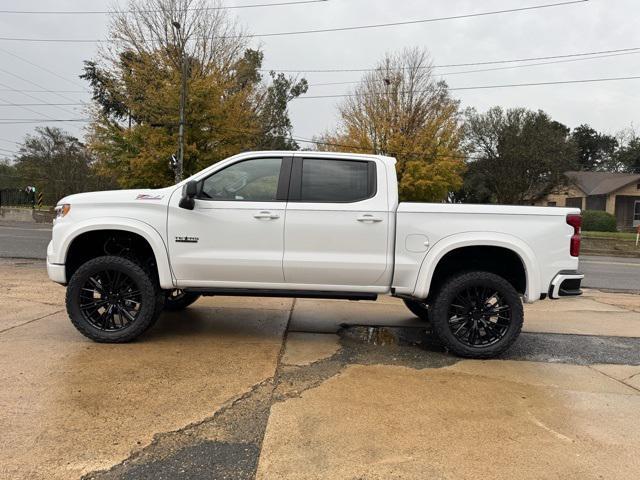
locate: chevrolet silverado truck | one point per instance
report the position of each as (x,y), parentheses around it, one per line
(309,225)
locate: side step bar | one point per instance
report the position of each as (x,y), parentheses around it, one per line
(242,292)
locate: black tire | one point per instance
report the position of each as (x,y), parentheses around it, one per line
(112,299)
(176,300)
(418,308)
(464,310)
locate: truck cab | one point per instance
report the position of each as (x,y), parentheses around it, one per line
(334,215)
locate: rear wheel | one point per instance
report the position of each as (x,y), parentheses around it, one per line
(112,299)
(477,315)
(176,300)
(418,308)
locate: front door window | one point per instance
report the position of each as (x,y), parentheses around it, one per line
(248,181)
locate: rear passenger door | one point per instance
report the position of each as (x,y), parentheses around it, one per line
(337,223)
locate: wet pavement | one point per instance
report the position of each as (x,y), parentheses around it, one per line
(279,389)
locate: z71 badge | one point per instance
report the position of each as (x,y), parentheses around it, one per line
(187,239)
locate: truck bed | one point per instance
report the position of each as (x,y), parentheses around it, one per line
(539,235)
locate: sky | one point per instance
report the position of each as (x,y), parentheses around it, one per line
(591,26)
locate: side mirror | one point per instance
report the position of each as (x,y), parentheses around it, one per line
(188,194)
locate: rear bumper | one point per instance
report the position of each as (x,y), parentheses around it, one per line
(566,284)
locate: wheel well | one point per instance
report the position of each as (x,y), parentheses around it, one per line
(121,243)
(498,260)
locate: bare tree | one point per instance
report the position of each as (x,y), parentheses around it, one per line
(199,29)
(400,109)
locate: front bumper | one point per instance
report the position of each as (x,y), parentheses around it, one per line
(57,272)
(566,284)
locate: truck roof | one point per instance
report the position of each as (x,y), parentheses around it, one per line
(313,153)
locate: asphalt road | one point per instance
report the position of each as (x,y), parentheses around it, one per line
(26,240)
(611,273)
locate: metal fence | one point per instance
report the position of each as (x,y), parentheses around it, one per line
(14,197)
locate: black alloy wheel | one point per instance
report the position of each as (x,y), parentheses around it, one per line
(477,314)
(113,299)
(110,300)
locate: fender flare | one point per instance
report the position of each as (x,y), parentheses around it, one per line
(146,231)
(473,239)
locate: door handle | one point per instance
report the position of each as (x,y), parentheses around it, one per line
(266,216)
(369,218)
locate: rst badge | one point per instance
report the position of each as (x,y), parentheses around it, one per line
(149,196)
(187,239)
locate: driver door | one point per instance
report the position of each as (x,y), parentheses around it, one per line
(234,236)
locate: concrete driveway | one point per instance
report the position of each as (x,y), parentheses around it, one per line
(271,389)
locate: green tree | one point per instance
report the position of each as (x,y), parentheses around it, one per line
(57,164)
(627,158)
(517,156)
(596,150)
(136,92)
(8,175)
(401,110)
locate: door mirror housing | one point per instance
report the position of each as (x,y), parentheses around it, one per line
(189,192)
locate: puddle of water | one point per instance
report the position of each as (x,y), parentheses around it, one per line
(382,336)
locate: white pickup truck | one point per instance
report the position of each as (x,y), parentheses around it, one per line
(309,224)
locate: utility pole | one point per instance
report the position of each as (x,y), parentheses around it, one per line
(183,100)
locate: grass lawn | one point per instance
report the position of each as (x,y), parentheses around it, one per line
(611,235)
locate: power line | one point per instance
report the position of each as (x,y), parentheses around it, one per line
(43,104)
(451,65)
(328,30)
(394,154)
(484,87)
(561,82)
(17,121)
(352,147)
(39,86)
(497,68)
(553,62)
(5,102)
(17,90)
(44,69)
(414,22)
(103,12)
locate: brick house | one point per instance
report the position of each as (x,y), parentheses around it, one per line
(615,193)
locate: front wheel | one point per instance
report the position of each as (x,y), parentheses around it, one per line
(176,300)
(111,299)
(477,315)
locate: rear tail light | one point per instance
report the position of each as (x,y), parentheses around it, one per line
(576,222)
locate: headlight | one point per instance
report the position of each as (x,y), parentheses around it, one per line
(62,210)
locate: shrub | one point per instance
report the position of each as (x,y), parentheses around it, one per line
(598,221)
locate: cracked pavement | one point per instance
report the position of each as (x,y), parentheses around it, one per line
(278,389)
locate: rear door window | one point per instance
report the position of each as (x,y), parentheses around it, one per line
(339,181)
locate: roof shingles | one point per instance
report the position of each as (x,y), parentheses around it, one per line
(601,183)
